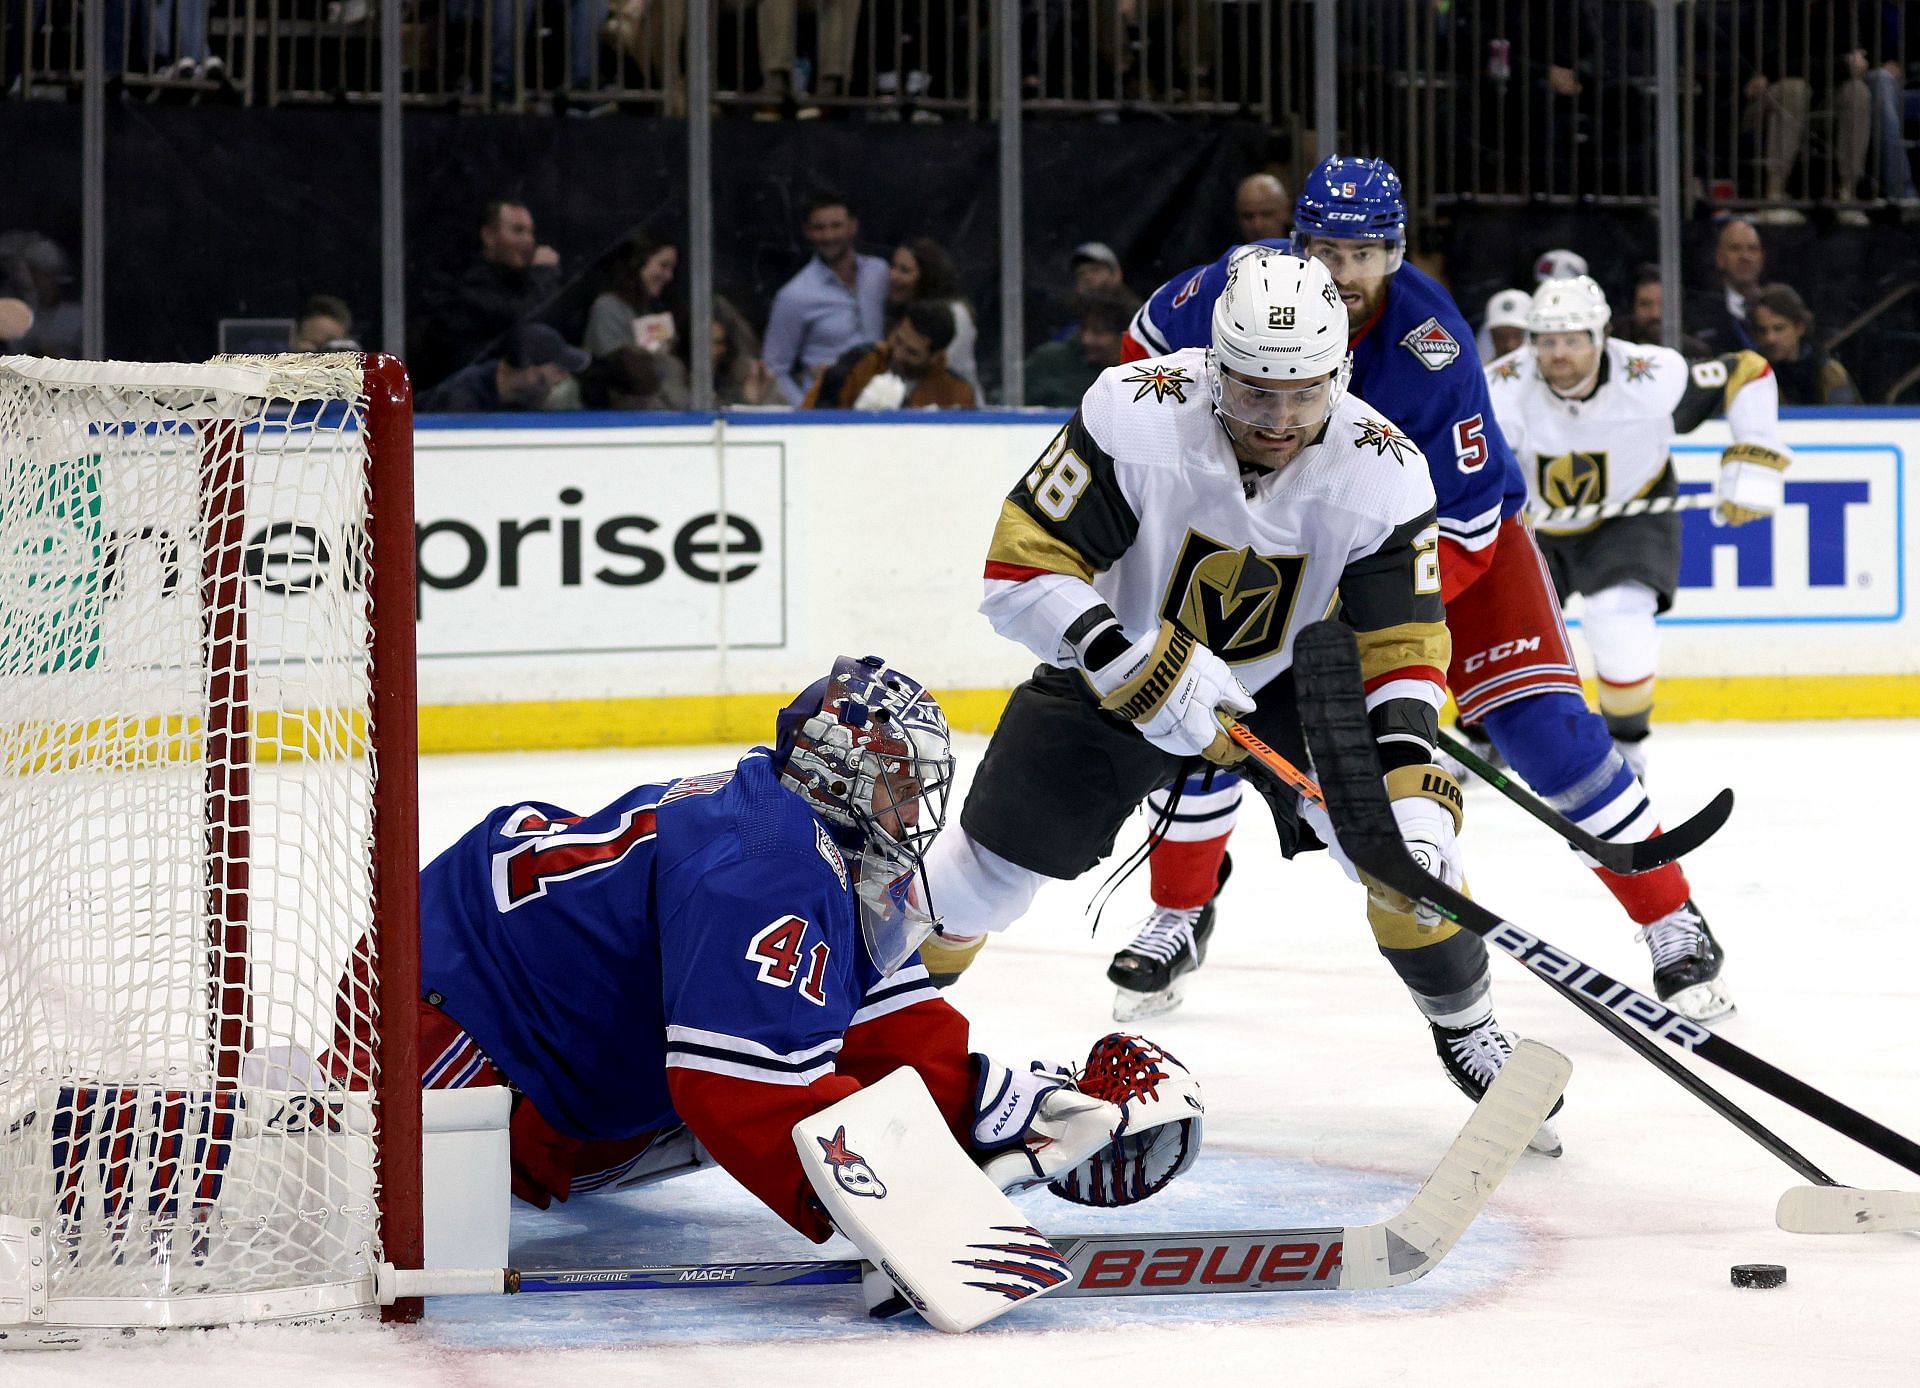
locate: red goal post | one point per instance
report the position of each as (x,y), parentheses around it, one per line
(208,789)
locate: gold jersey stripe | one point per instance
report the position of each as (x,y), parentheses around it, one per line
(1747,367)
(1407,645)
(1019,539)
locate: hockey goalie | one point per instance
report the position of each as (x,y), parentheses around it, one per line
(722,969)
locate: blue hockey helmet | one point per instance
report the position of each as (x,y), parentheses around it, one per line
(1353,200)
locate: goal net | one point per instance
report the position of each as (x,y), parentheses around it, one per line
(206,794)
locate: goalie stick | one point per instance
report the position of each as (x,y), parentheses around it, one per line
(1624,858)
(1399,1249)
(1327,673)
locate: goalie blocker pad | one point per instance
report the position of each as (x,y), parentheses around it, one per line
(893,1180)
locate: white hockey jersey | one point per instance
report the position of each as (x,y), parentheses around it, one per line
(1139,506)
(1613,445)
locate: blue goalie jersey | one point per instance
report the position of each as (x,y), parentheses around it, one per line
(1414,361)
(706,922)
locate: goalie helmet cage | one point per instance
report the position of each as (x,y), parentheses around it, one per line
(209,1098)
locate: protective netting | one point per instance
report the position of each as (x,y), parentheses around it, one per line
(187,795)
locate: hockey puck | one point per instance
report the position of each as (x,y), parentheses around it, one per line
(1759,1275)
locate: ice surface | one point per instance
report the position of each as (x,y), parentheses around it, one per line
(1325,1105)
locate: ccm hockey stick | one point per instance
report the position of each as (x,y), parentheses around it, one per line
(1327,671)
(1356,1257)
(1613,510)
(1625,858)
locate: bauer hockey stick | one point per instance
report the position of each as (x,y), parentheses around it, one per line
(1356,1257)
(1614,510)
(1624,858)
(1327,666)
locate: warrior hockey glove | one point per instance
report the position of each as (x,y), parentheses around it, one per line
(1428,806)
(1168,685)
(1752,483)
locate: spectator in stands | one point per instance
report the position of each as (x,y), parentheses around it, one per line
(1646,318)
(1263,208)
(1505,327)
(16,298)
(586,20)
(922,272)
(1095,268)
(1781,323)
(633,312)
(325,325)
(58,324)
(1059,373)
(837,300)
(1785,57)
(739,376)
(1718,315)
(627,378)
(537,361)
(1895,105)
(906,371)
(464,316)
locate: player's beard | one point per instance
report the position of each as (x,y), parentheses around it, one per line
(1372,296)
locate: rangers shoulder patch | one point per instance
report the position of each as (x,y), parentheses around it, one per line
(1433,344)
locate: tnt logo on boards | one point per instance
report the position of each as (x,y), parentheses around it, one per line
(1832,551)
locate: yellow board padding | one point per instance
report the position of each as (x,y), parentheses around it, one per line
(744,719)
(672,720)
(126,743)
(133,742)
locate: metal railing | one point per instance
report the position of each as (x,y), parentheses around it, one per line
(898,59)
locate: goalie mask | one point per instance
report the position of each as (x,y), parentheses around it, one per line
(870,751)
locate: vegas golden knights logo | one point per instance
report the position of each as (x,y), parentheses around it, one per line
(1573,479)
(1239,603)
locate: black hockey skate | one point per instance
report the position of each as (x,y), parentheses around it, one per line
(1686,964)
(1473,1056)
(1172,944)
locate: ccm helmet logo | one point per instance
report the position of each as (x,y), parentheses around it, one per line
(1280,316)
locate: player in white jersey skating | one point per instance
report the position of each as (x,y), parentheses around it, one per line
(1591,420)
(1159,558)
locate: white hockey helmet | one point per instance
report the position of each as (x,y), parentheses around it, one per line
(1278,321)
(1576,305)
(869,750)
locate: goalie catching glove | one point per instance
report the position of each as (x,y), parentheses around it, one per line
(1427,806)
(1752,483)
(1115,1134)
(1168,685)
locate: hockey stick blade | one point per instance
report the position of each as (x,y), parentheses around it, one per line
(1355,1257)
(1624,858)
(1845,1210)
(1333,710)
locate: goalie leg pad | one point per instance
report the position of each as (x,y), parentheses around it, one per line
(893,1180)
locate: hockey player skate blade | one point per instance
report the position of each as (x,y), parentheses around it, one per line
(1149,972)
(1686,964)
(1472,1056)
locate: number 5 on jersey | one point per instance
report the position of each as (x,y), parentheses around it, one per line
(777,951)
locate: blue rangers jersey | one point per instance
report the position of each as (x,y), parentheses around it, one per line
(1414,362)
(689,953)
